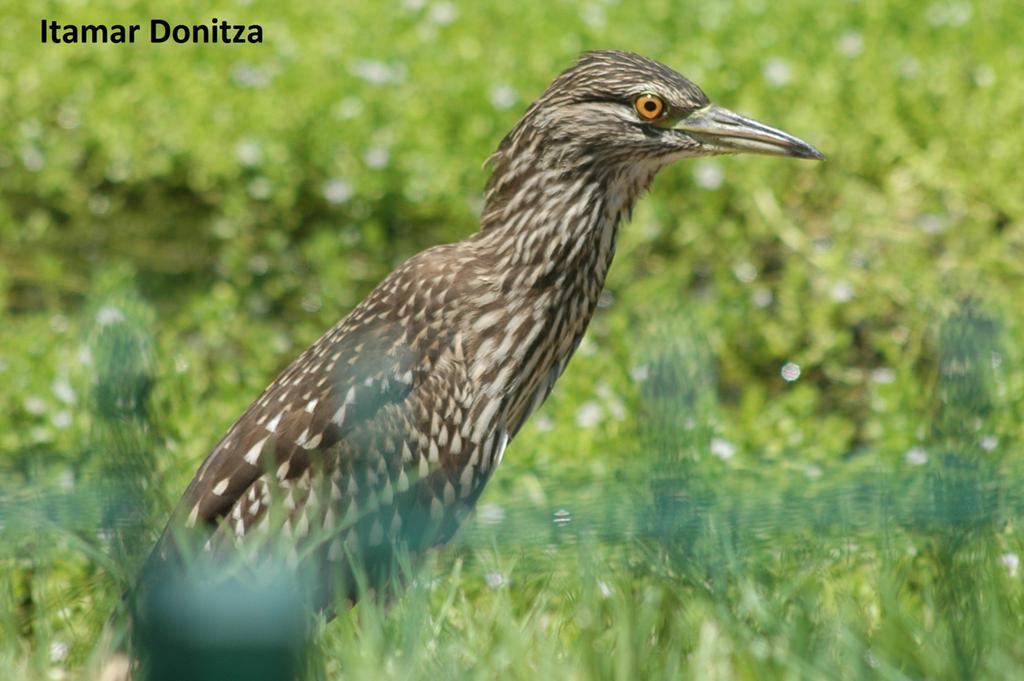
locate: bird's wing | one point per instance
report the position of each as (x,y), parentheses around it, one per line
(374,434)
(342,381)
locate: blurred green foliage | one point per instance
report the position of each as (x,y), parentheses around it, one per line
(178,221)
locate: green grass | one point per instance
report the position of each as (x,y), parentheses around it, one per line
(177,222)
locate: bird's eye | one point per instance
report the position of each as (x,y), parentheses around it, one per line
(649,106)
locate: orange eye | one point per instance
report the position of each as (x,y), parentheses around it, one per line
(649,106)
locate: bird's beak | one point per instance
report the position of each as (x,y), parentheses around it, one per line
(723,132)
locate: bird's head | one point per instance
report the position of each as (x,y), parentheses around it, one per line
(618,109)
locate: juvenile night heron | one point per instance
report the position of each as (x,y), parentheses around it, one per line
(387,428)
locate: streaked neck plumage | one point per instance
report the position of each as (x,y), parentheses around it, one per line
(552,213)
(547,236)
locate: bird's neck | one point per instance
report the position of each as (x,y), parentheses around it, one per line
(545,246)
(556,229)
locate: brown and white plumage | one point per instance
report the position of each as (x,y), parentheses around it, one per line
(388,427)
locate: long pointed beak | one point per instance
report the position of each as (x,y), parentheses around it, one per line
(724,132)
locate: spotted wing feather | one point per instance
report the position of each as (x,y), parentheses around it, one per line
(366,438)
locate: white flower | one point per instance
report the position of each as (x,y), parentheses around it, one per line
(376,157)
(348,108)
(1011,561)
(777,72)
(723,449)
(909,68)
(108,315)
(336,191)
(443,13)
(376,72)
(260,188)
(916,456)
(248,152)
(790,371)
(63,390)
(762,297)
(502,97)
(883,375)
(32,158)
(58,651)
(543,423)
(593,16)
(851,44)
(842,291)
(589,414)
(708,174)
(640,373)
(745,271)
(35,405)
(984,76)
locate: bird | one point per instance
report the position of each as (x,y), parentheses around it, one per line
(384,432)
